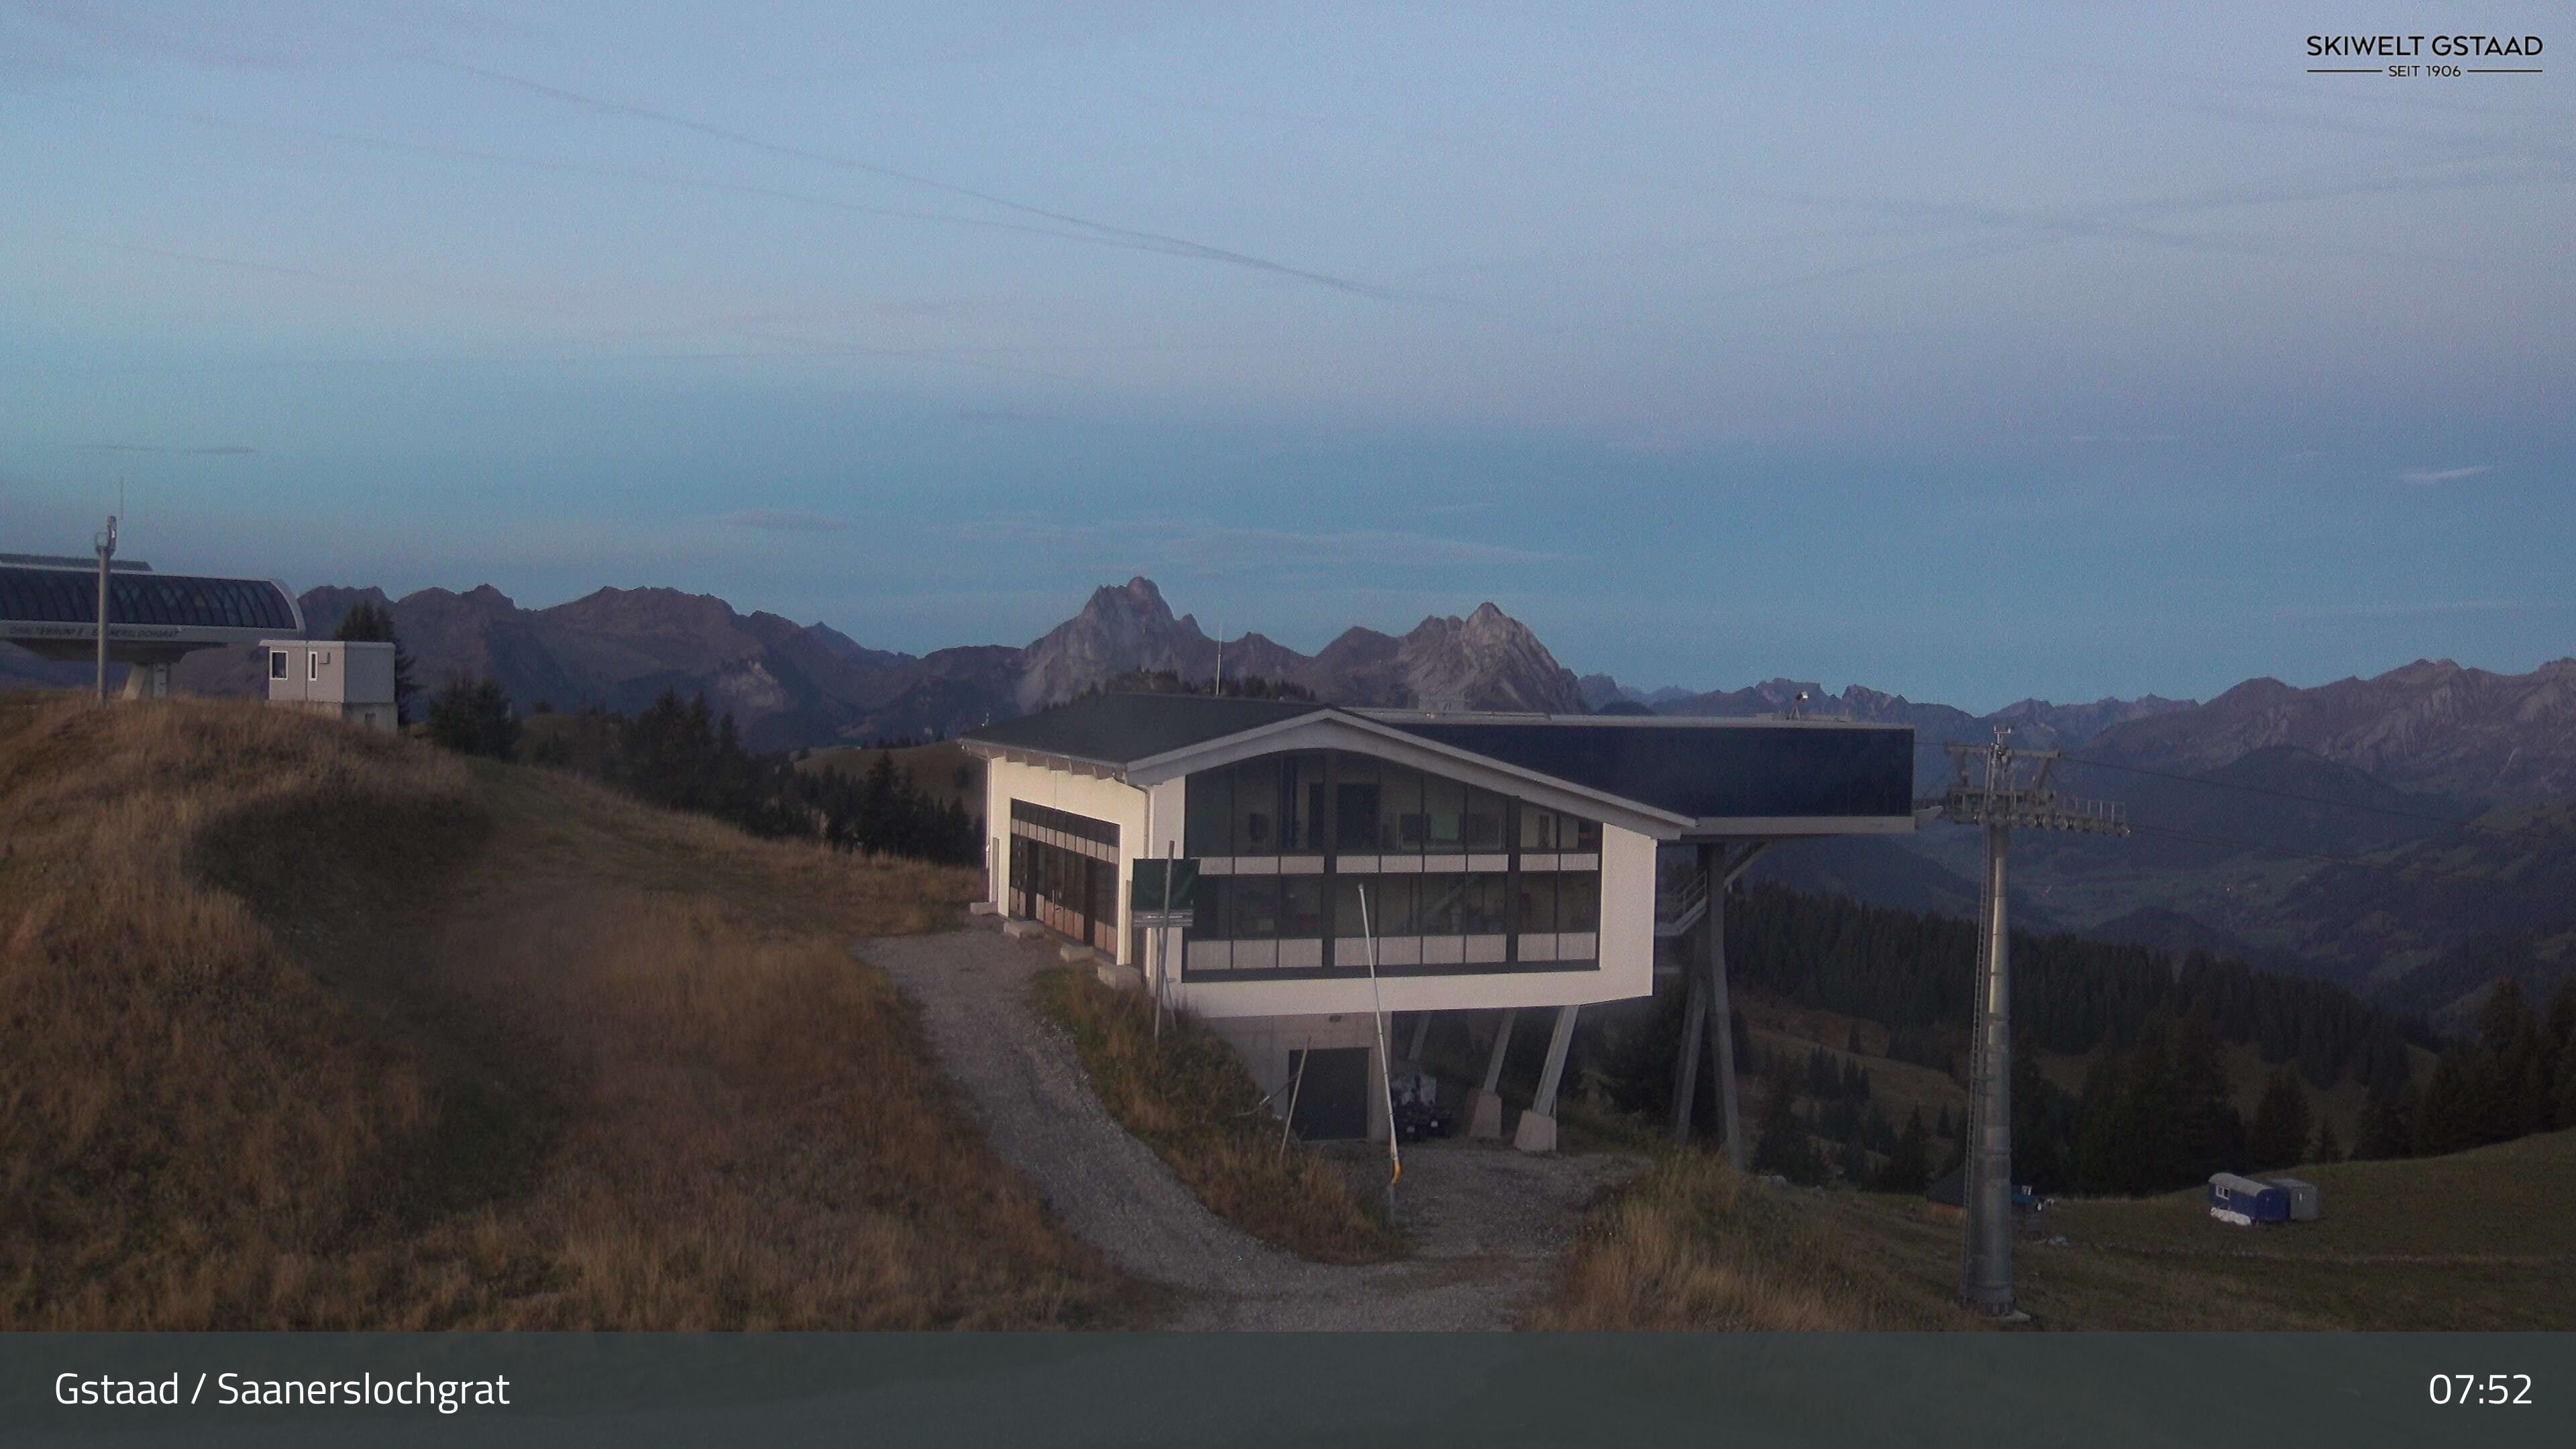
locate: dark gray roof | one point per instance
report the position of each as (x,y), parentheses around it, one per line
(38,595)
(1120,729)
(1705,771)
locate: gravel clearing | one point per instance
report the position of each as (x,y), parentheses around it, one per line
(1487,1222)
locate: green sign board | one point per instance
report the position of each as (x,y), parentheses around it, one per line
(1165,885)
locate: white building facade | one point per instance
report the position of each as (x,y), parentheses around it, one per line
(347,680)
(1357,862)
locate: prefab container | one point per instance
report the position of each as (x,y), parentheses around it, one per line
(2245,1202)
(2303,1197)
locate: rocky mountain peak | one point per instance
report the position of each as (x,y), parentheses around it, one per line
(1120,628)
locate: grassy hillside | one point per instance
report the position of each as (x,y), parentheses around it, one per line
(1187,1096)
(2473,1241)
(303,1027)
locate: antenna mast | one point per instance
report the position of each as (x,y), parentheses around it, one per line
(106,545)
(1999,803)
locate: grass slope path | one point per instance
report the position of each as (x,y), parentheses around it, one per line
(1489,1223)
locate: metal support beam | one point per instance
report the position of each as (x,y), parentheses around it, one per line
(1709,1017)
(1686,1060)
(1421,1033)
(1722,1027)
(1537,1130)
(1986,1281)
(1485,1104)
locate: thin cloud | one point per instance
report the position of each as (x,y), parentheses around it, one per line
(2424,476)
(2405,611)
(1150,240)
(223,450)
(1212,546)
(784,520)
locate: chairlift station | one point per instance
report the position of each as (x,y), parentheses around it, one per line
(1357,861)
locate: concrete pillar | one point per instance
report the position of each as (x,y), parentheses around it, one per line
(1537,1130)
(1485,1105)
(147,681)
(1421,1031)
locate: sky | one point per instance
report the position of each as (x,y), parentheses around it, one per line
(1970,352)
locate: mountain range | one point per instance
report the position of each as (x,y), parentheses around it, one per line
(2268,820)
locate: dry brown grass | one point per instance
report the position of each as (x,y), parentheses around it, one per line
(301,1027)
(1189,1098)
(1691,1245)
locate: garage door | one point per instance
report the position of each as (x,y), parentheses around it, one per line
(1333,1101)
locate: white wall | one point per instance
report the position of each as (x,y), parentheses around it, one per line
(1117,802)
(1265,1042)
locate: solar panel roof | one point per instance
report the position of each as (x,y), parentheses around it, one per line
(1701,770)
(70,596)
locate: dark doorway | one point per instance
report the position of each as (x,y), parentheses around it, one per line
(1333,1101)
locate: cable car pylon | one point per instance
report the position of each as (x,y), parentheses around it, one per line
(1996,798)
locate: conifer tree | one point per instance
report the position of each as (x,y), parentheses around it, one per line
(2384,1130)
(2444,1120)
(2281,1121)
(1909,1166)
(369,622)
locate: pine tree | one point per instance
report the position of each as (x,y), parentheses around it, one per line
(1909,1166)
(2444,1120)
(1780,1143)
(2105,1160)
(1853,1163)
(369,622)
(2384,1130)
(2281,1121)
(2211,1134)
(2504,1100)
(2328,1149)
(473,717)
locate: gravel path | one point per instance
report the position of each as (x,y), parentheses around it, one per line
(1488,1222)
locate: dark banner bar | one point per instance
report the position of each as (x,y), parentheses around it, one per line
(1413,1391)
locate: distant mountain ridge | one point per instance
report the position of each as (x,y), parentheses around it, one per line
(790,685)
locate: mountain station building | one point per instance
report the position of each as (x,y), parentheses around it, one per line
(1355,861)
(49,604)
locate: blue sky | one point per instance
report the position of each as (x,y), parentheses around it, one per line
(1970,354)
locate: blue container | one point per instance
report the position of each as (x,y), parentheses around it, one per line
(2260,1202)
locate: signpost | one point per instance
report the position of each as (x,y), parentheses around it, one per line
(1159,901)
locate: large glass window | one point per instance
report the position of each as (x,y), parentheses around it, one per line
(1444,801)
(1487,904)
(1210,814)
(1390,906)
(1256,806)
(1301,907)
(1443,911)
(1301,830)
(1355,804)
(1538,829)
(1481,829)
(1536,914)
(1399,810)
(1256,907)
(1579,901)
